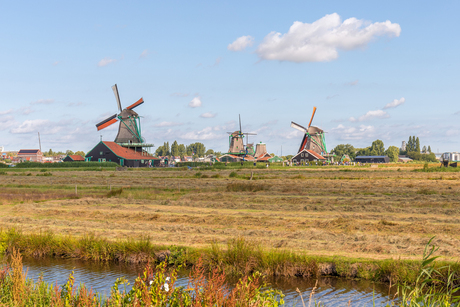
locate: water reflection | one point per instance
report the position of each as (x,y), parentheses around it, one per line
(101,277)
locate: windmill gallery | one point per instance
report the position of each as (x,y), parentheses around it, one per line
(130,149)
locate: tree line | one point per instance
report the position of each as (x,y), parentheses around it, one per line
(51,153)
(180,150)
(377,148)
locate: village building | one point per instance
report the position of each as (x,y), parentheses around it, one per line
(73,158)
(372,159)
(112,152)
(306,155)
(29,155)
(404,159)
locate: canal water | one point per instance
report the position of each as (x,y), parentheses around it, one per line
(101,277)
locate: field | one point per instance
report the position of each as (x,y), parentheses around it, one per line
(374,213)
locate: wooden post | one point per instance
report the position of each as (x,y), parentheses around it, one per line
(76,190)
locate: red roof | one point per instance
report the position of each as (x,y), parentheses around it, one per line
(77,158)
(314,154)
(128,154)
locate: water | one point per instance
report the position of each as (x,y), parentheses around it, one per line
(101,276)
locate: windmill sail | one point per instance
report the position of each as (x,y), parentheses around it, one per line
(117,97)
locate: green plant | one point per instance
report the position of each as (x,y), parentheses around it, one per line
(233,175)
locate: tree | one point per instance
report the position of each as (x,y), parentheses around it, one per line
(344,149)
(182,150)
(209,152)
(198,149)
(424,149)
(81,153)
(175,149)
(417,145)
(363,151)
(429,148)
(69,152)
(377,148)
(392,152)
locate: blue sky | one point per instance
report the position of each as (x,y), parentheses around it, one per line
(382,70)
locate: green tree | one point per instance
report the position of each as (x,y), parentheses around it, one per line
(344,149)
(81,153)
(377,148)
(175,149)
(429,148)
(417,145)
(182,151)
(392,152)
(424,149)
(363,151)
(209,152)
(198,149)
(69,152)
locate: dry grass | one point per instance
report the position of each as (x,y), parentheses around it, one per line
(372,213)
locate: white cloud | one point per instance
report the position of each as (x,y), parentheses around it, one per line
(28,126)
(7,122)
(195,103)
(369,115)
(168,124)
(208,115)
(26,110)
(353,133)
(207,133)
(321,40)
(144,54)
(43,101)
(241,43)
(6,112)
(394,103)
(106,61)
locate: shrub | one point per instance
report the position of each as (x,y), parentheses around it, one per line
(233,175)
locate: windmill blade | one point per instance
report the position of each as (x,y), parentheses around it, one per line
(249,133)
(115,91)
(240,121)
(298,127)
(314,111)
(107,122)
(136,104)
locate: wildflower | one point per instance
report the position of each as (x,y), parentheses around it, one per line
(166,287)
(151,282)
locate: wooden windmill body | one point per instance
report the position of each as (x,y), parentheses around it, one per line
(129,129)
(236,142)
(313,138)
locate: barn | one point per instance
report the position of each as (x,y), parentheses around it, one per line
(112,152)
(372,159)
(73,158)
(306,155)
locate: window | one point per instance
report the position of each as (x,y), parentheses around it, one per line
(101,153)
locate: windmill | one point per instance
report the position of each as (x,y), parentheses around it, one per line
(236,142)
(313,138)
(129,129)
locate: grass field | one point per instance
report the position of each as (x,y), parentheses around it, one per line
(354,212)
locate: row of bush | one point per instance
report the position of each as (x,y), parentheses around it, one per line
(65,164)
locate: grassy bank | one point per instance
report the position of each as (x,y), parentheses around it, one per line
(156,287)
(239,257)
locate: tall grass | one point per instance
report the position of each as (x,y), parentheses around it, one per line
(155,287)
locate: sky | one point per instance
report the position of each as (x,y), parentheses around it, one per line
(375,70)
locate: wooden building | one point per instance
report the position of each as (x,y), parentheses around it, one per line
(73,158)
(306,155)
(112,152)
(372,159)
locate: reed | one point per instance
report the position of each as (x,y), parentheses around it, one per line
(155,287)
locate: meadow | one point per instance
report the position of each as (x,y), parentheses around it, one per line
(362,222)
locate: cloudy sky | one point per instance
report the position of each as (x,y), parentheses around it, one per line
(382,70)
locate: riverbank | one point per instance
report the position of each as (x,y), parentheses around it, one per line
(238,258)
